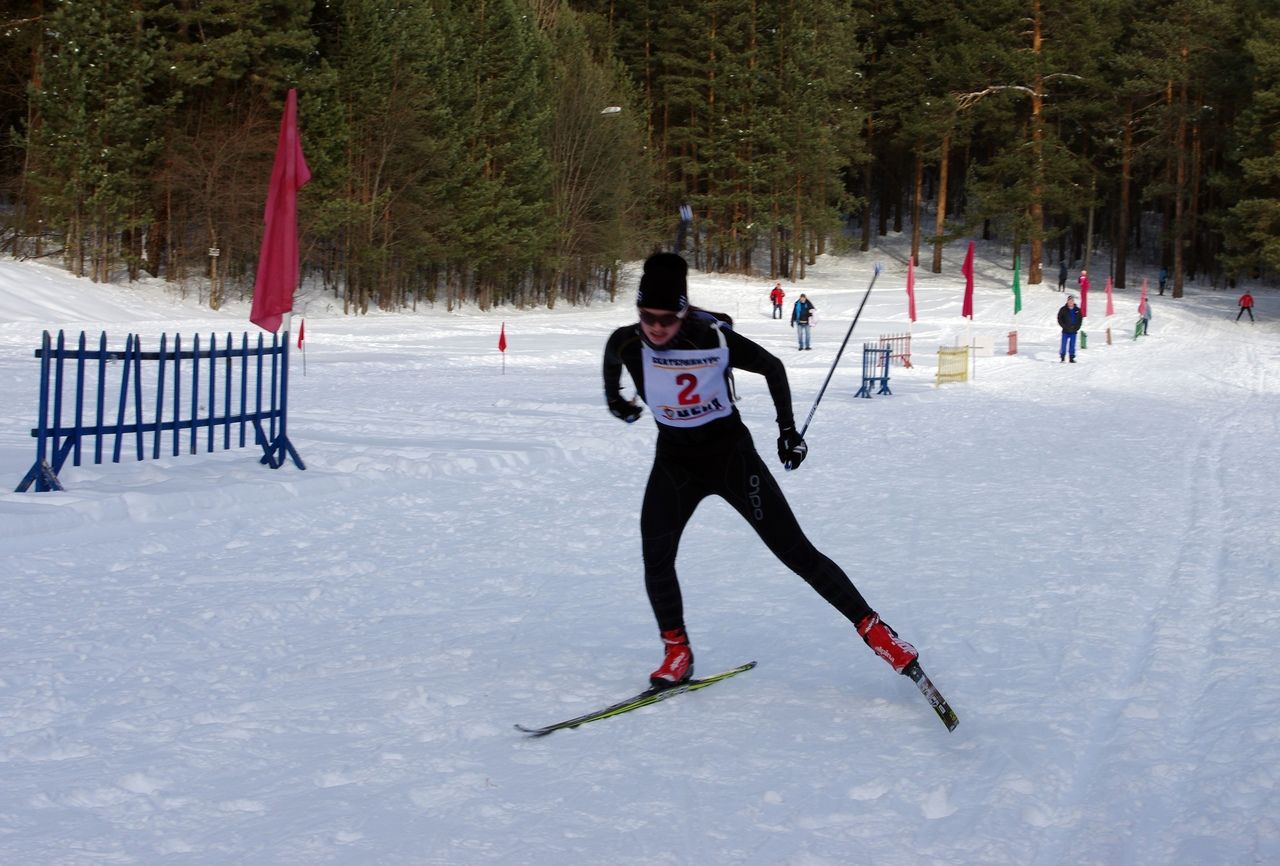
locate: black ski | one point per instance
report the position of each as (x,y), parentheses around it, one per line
(644,699)
(932,695)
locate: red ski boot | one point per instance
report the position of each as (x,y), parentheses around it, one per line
(886,643)
(677,665)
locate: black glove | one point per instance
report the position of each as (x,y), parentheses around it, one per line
(791,448)
(626,410)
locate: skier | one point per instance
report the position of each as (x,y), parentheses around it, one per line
(1146,317)
(776,297)
(1070,320)
(802,319)
(1246,306)
(678,359)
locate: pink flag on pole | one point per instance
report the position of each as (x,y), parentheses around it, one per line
(302,330)
(1084,298)
(967,270)
(277,275)
(1110,307)
(502,338)
(911,288)
(1142,301)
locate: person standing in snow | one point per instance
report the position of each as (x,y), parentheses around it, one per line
(776,297)
(1062,275)
(1246,306)
(1070,320)
(802,319)
(1146,317)
(1164,278)
(678,360)
(1083,281)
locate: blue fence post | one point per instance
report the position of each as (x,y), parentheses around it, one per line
(99,419)
(41,473)
(80,353)
(155,440)
(177,393)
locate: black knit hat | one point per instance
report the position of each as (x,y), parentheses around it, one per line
(663,285)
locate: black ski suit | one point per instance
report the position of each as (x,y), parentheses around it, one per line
(705,449)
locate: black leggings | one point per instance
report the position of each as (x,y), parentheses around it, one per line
(734,472)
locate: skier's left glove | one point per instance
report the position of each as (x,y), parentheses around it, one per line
(792,449)
(625,410)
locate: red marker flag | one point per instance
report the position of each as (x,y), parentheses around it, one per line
(302,330)
(967,270)
(502,338)
(1110,306)
(277,275)
(911,288)
(1142,302)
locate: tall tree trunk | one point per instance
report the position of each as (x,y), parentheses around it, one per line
(1088,237)
(1180,182)
(1126,179)
(940,218)
(917,190)
(867,189)
(1035,212)
(1193,215)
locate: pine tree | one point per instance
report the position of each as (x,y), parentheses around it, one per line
(601,178)
(1254,221)
(100,132)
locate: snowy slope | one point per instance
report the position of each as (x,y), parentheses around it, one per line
(203,661)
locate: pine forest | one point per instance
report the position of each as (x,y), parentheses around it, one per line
(517,152)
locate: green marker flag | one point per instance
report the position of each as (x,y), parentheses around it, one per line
(1017,287)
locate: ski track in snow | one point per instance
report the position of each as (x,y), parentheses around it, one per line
(206,662)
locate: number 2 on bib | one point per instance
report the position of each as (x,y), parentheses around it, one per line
(688,382)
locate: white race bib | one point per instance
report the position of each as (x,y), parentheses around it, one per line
(686,387)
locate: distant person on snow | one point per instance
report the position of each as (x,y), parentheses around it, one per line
(1146,317)
(802,320)
(678,363)
(1062,276)
(1070,320)
(776,297)
(1164,279)
(1246,306)
(1083,281)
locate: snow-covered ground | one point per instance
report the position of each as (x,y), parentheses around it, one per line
(204,661)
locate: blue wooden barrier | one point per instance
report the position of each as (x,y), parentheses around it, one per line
(233,400)
(875,368)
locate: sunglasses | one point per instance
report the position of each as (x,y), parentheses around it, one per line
(666,320)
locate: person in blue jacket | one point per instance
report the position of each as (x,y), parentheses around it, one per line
(802,319)
(1070,320)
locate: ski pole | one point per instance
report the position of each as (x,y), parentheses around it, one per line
(832,371)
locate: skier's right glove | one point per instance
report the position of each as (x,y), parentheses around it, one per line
(625,410)
(791,448)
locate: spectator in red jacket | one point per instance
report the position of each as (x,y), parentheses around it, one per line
(1246,306)
(776,296)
